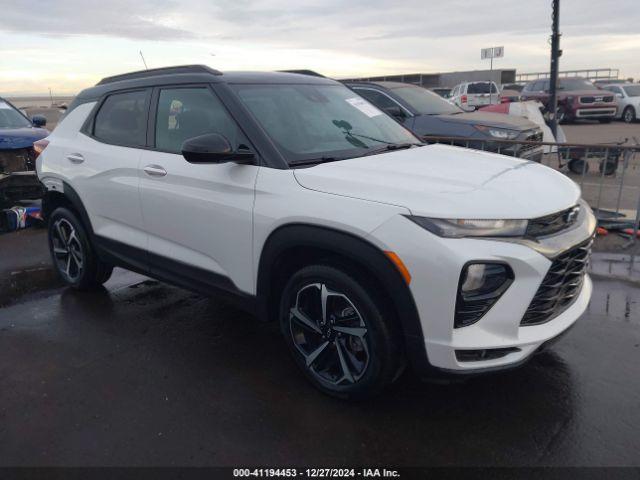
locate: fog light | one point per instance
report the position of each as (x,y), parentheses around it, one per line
(480,287)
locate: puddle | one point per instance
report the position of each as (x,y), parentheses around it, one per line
(23,282)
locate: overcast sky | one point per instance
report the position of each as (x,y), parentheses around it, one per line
(70,44)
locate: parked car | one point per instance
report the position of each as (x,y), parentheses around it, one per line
(509,96)
(472,95)
(426,114)
(444,92)
(307,205)
(18,180)
(512,86)
(577,99)
(628,100)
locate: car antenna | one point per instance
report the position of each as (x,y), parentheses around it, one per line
(143,61)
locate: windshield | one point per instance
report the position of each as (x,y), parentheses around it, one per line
(481,87)
(11,118)
(425,102)
(575,84)
(632,90)
(321,121)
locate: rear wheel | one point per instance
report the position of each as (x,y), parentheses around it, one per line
(72,253)
(629,114)
(338,335)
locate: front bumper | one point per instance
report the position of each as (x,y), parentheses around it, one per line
(435,265)
(596,112)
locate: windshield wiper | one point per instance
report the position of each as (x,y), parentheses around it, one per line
(391,147)
(317,160)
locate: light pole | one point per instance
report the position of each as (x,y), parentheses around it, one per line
(555,57)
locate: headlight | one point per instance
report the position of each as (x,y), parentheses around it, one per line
(500,133)
(459,228)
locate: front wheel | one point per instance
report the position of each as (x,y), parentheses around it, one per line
(72,254)
(629,115)
(341,338)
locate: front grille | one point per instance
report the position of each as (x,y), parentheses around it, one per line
(594,99)
(533,137)
(561,286)
(554,223)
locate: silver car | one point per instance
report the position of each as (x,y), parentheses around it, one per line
(628,98)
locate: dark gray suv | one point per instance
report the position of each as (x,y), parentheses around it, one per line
(427,114)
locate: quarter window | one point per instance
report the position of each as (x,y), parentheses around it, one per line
(122,119)
(185,113)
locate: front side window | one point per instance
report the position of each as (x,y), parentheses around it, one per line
(632,90)
(379,99)
(425,102)
(122,119)
(185,113)
(309,122)
(11,118)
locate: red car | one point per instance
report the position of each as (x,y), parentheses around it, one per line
(578,98)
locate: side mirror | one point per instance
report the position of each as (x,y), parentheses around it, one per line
(38,121)
(396,112)
(213,148)
(619,95)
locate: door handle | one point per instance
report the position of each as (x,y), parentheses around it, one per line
(155,171)
(75,158)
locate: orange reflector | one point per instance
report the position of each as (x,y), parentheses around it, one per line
(404,271)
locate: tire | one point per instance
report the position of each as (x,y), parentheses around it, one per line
(73,256)
(356,362)
(578,166)
(562,115)
(608,167)
(629,114)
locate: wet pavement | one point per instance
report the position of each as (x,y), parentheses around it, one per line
(141,373)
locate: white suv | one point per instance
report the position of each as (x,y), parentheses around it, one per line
(309,206)
(473,95)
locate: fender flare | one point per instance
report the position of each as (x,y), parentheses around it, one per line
(69,193)
(358,250)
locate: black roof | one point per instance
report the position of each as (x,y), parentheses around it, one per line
(383,84)
(193,74)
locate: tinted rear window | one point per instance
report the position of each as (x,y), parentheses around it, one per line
(122,119)
(481,87)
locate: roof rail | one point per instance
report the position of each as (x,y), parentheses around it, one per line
(159,71)
(304,72)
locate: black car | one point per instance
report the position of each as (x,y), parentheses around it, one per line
(427,114)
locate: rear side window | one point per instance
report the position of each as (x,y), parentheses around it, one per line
(122,119)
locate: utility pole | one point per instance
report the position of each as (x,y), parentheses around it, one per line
(555,57)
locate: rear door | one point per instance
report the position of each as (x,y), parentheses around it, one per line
(105,160)
(198,216)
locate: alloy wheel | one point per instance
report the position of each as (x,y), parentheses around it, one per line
(330,334)
(67,249)
(628,115)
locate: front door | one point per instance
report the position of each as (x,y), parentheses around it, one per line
(198,216)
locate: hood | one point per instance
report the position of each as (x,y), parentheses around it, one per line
(489,119)
(447,182)
(11,138)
